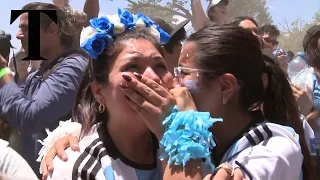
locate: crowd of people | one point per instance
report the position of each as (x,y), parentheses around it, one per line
(130,97)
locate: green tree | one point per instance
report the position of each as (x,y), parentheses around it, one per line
(294,32)
(181,8)
(256,9)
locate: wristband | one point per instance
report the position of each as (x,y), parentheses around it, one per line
(187,137)
(5,71)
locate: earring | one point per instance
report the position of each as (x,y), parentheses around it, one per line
(101,108)
(224,101)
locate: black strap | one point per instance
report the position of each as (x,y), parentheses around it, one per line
(16,75)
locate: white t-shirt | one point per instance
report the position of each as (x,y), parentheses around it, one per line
(13,165)
(99,159)
(267,152)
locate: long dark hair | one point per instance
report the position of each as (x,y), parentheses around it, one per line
(230,49)
(85,109)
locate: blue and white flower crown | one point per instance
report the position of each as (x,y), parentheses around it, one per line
(101,32)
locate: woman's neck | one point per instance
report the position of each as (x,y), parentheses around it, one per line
(224,133)
(133,144)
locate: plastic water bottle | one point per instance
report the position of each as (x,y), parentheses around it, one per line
(296,66)
(300,73)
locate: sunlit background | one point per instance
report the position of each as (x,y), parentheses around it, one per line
(292,17)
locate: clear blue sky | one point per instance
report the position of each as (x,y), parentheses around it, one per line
(291,9)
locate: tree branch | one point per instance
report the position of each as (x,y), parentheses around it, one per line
(148,5)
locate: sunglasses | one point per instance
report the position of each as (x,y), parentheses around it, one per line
(270,41)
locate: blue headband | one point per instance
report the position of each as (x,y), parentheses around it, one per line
(101,32)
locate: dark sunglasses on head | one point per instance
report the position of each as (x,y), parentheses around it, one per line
(223,3)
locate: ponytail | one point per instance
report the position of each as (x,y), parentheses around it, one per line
(280,107)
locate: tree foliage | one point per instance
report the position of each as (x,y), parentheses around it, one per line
(181,8)
(294,32)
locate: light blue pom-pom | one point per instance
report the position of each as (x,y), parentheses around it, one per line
(187,137)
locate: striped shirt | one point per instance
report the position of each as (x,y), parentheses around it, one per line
(99,159)
(266,152)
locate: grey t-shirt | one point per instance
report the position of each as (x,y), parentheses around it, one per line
(12,165)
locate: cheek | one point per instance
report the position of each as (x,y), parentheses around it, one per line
(209,100)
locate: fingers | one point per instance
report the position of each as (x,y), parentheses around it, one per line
(44,171)
(48,161)
(60,145)
(141,104)
(144,82)
(225,172)
(74,143)
(238,175)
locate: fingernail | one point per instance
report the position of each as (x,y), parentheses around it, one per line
(123,86)
(138,76)
(127,78)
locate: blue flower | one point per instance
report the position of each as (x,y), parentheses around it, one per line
(102,25)
(126,18)
(164,36)
(95,45)
(149,22)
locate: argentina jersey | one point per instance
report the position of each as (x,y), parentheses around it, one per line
(266,152)
(99,159)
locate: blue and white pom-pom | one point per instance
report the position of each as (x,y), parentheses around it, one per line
(187,137)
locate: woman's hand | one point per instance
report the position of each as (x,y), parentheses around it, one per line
(58,149)
(183,98)
(226,172)
(303,98)
(150,100)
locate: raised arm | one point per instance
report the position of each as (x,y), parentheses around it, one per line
(200,16)
(58,91)
(91,8)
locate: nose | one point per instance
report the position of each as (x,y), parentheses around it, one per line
(19,35)
(152,75)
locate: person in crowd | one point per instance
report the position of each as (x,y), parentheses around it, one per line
(172,49)
(228,91)
(216,12)
(311,45)
(270,35)
(246,23)
(104,95)
(12,165)
(49,92)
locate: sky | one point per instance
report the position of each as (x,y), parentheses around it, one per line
(279,9)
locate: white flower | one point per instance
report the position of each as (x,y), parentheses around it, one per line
(63,129)
(140,25)
(119,28)
(114,18)
(86,33)
(152,31)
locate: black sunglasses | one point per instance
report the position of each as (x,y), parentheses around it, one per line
(270,41)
